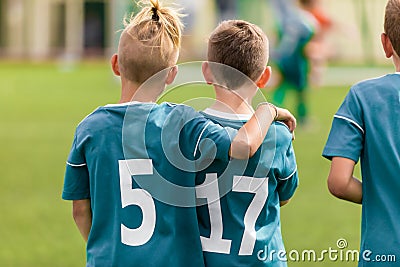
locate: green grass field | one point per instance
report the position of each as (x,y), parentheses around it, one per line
(40,105)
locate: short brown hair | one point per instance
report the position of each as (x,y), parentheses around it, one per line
(150,42)
(392,23)
(240,45)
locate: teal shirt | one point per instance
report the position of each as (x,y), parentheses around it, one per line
(239,215)
(367,128)
(136,163)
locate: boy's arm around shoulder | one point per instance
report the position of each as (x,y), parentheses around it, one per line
(250,137)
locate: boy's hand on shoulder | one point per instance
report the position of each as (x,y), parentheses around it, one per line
(286,117)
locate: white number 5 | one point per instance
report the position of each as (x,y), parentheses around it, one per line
(137,197)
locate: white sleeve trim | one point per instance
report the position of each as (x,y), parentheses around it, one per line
(198,140)
(76,165)
(351,121)
(287,178)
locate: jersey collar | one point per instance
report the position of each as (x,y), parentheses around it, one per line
(228,116)
(127,104)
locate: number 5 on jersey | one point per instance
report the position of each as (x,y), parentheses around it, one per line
(137,197)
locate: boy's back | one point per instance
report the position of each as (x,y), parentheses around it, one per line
(239,220)
(132,214)
(362,129)
(248,209)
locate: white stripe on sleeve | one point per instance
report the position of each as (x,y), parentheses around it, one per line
(351,121)
(76,165)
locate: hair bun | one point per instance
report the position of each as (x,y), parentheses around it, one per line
(155,16)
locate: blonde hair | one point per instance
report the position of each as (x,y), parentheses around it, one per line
(392,23)
(150,41)
(240,45)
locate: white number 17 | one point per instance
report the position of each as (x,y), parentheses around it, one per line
(210,191)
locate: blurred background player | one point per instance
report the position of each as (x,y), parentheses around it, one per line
(367,128)
(226,9)
(296,29)
(318,49)
(283,11)
(118,161)
(240,216)
(190,8)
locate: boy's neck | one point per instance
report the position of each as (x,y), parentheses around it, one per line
(396,63)
(230,102)
(132,91)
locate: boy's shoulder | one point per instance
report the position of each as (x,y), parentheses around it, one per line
(177,113)
(380,90)
(368,86)
(278,131)
(282,130)
(182,108)
(281,133)
(101,116)
(114,114)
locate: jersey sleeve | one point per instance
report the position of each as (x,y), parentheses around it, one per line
(213,141)
(76,180)
(288,178)
(209,141)
(347,133)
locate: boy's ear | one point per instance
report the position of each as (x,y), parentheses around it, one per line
(172,75)
(114,65)
(205,67)
(265,76)
(387,45)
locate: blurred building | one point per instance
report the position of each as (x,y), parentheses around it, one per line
(49,28)
(42,29)
(73,29)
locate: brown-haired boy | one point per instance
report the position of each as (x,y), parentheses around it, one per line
(242,226)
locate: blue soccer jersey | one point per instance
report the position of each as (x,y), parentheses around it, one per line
(136,163)
(239,201)
(367,127)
